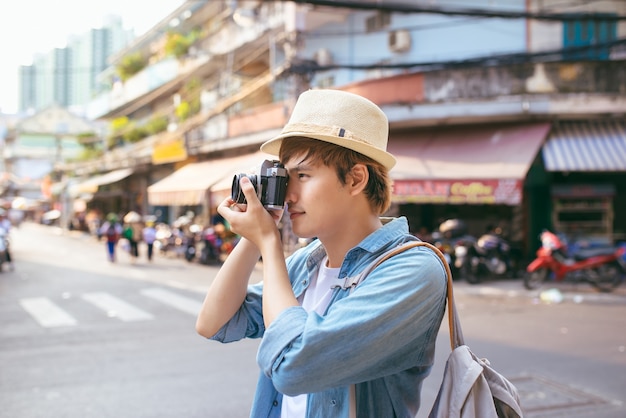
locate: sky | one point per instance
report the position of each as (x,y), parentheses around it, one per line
(29,27)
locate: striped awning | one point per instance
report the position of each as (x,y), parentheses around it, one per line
(189,185)
(91,185)
(586,146)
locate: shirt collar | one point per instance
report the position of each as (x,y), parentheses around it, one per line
(373,243)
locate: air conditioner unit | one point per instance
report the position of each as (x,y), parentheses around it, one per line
(323,57)
(399,40)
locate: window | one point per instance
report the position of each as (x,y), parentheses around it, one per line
(377,22)
(588,32)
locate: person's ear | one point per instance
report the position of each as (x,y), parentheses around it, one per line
(358,177)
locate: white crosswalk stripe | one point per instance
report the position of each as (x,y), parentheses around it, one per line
(49,314)
(182,303)
(46,313)
(117,308)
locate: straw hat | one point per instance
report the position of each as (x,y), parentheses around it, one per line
(340,118)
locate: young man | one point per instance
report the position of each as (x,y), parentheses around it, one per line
(327,350)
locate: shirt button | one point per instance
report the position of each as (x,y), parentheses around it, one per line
(275,403)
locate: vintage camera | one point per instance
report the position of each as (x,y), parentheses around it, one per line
(270,185)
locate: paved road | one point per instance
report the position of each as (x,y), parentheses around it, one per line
(567,359)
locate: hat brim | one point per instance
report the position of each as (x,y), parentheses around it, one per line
(272,146)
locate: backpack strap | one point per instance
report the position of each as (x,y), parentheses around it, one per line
(456,335)
(352,282)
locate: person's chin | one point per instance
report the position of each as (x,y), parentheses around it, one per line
(299,227)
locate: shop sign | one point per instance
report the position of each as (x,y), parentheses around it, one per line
(497,192)
(169,151)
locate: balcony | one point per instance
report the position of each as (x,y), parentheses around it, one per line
(517,92)
(208,57)
(520,92)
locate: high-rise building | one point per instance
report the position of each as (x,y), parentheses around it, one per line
(69,76)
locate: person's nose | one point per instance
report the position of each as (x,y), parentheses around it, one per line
(290,193)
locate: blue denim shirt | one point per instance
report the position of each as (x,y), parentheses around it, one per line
(380,337)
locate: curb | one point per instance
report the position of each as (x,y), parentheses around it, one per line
(550,293)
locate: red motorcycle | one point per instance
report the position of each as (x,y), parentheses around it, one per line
(603,267)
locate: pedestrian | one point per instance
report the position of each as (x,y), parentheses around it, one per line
(327,350)
(111,230)
(133,232)
(149,236)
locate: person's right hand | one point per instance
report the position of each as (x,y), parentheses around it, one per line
(251,220)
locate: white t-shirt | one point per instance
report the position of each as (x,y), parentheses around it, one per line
(316,299)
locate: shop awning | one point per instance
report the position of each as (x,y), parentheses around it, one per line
(482,164)
(91,185)
(189,184)
(586,146)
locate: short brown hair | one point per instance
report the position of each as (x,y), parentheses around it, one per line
(378,189)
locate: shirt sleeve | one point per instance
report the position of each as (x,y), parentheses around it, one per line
(388,324)
(247,321)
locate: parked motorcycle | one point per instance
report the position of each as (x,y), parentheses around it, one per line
(211,250)
(4,248)
(603,267)
(189,248)
(190,241)
(453,241)
(489,256)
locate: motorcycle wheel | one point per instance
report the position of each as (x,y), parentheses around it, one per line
(535,279)
(606,277)
(190,254)
(469,274)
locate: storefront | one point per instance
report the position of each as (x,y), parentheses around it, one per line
(106,192)
(89,200)
(587,164)
(475,173)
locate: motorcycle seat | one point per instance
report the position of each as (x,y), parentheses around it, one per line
(593,252)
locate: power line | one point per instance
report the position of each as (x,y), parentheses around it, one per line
(504,14)
(310,66)
(421,26)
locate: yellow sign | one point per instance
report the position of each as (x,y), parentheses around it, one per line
(169,152)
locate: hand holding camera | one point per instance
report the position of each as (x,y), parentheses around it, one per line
(243,211)
(270,185)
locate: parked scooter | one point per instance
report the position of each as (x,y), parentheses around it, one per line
(602,267)
(453,241)
(211,250)
(165,239)
(190,241)
(489,256)
(4,248)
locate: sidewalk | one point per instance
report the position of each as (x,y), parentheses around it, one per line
(551,292)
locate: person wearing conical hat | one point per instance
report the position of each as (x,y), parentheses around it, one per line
(327,349)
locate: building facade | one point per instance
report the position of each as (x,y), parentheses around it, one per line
(513,116)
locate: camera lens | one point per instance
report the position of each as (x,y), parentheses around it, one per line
(235,192)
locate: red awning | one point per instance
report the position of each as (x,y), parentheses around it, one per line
(482,164)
